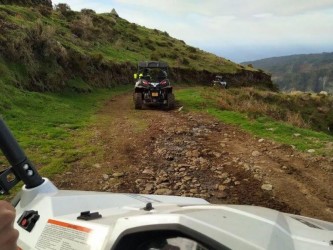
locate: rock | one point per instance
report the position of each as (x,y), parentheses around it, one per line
(220,194)
(224,176)
(311,151)
(323,109)
(177,185)
(149,187)
(97,165)
(323,93)
(202,161)
(169,158)
(255,153)
(237,183)
(204,196)
(221,187)
(163,191)
(187,178)
(138,181)
(246,166)
(257,177)
(216,154)
(118,174)
(194,153)
(267,187)
(227,181)
(105,177)
(148,171)
(261,140)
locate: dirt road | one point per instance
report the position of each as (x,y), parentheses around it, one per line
(191,154)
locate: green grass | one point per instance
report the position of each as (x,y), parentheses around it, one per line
(196,99)
(45,125)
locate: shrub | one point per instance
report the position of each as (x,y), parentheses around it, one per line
(193,56)
(83,27)
(162,43)
(185,61)
(44,10)
(191,49)
(88,12)
(173,55)
(65,10)
(149,45)
(155,56)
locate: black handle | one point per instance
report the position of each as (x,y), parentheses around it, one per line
(21,166)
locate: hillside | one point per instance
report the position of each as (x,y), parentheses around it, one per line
(312,72)
(48,49)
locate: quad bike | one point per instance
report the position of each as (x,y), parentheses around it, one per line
(219,82)
(48,218)
(152,85)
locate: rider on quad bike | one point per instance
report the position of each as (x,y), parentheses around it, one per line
(152,85)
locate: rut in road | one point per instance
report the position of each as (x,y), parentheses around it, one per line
(153,151)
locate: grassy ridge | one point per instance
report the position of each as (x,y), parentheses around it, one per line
(208,100)
(45,50)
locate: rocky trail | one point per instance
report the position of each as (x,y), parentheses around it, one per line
(153,151)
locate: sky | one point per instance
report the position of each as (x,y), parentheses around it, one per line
(239,30)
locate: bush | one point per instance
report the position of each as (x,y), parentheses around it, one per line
(173,55)
(191,49)
(83,27)
(65,10)
(47,3)
(45,10)
(149,45)
(185,61)
(155,56)
(162,43)
(88,12)
(193,56)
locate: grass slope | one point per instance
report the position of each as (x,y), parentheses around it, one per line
(261,125)
(45,124)
(49,48)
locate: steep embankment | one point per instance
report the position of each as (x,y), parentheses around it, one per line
(313,72)
(44,49)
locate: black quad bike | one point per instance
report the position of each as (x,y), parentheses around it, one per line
(152,85)
(220,82)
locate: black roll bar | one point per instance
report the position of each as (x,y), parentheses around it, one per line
(21,167)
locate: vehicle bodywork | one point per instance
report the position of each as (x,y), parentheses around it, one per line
(218,81)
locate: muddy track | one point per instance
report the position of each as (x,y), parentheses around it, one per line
(155,151)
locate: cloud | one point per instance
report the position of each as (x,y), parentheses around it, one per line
(235,7)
